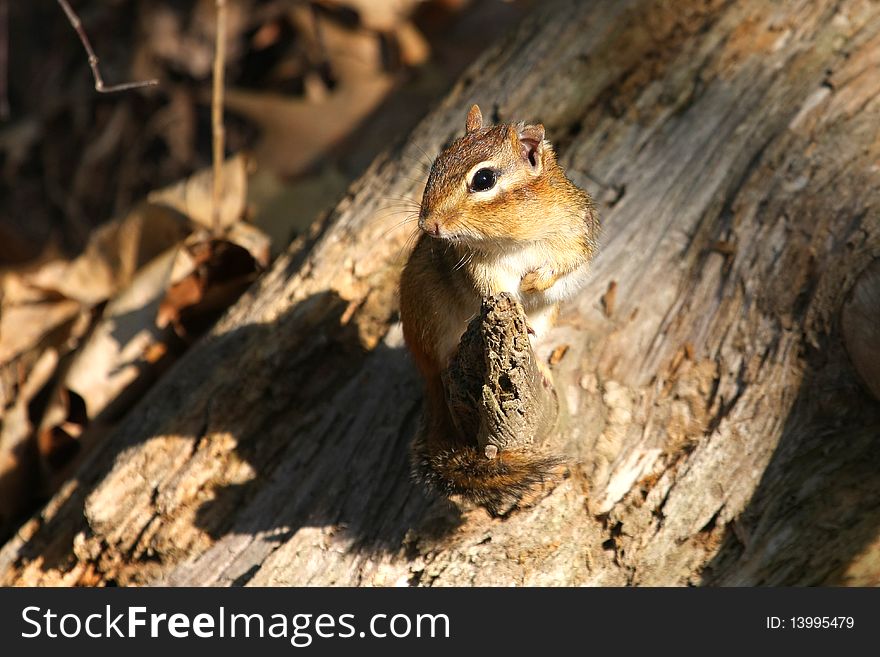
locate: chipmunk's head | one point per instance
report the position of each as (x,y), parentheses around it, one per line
(494,185)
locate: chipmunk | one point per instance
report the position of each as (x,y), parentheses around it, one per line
(497,215)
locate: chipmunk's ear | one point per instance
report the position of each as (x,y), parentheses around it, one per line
(530,139)
(474,120)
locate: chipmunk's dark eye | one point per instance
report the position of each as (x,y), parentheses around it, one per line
(484,179)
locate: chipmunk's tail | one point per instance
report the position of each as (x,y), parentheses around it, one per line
(496,483)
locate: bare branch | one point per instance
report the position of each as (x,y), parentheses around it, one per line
(217,111)
(93,59)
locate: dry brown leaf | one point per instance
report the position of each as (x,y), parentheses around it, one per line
(193,197)
(109,367)
(253,240)
(353,54)
(126,348)
(414,48)
(266,35)
(208,276)
(43,307)
(63,424)
(186,284)
(382,15)
(23,327)
(183,294)
(185,41)
(113,255)
(387,17)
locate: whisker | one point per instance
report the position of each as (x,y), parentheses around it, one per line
(418,182)
(401,206)
(401,198)
(408,244)
(425,153)
(422,167)
(393,210)
(406,221)
(409,215)
(466,259)
(460,263)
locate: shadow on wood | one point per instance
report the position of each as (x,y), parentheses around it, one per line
(820,488)
(292,465)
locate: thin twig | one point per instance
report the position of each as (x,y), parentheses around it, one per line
(4,60)
(93,58)
(217,112)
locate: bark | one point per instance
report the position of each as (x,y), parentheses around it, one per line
(495,389)
(717,383)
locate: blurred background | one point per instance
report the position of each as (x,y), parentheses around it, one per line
(110,258)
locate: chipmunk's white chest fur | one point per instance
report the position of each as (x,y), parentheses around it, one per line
(505,272)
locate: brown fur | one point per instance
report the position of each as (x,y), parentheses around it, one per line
(471,246)
(496,483)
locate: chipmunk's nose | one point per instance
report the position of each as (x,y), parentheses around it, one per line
(429,224)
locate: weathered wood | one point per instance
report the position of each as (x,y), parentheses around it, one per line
(495,389)
(720,431)
(501,403)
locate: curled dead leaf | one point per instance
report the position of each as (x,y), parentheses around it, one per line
(109,367)
(63,424)
(209,275)
(193,197)
(114,253)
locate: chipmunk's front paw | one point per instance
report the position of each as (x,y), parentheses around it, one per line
(538,280)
